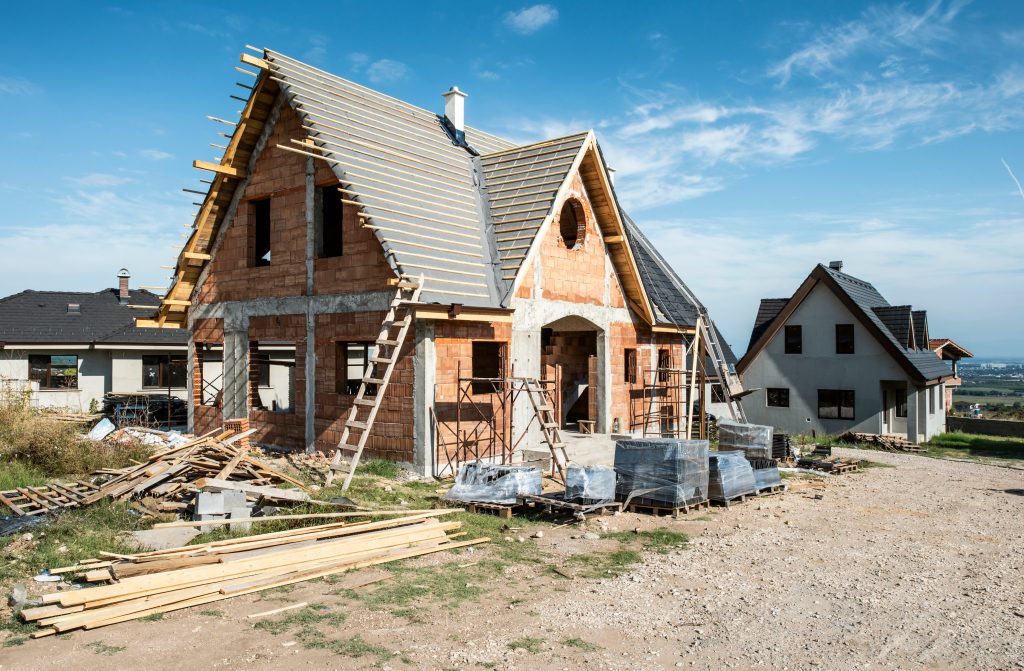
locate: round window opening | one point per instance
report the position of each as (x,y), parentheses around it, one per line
(572,224)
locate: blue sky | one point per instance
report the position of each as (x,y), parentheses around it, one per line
(750,139)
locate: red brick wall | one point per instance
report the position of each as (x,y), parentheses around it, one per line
(575,275)
(572,350)
(286,429)
(453,347)
(628,399)
(392,433)
(205,418)
(362,266)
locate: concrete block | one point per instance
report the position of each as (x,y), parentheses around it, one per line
(203,517)
(209,503)
(240,513)
(233,499)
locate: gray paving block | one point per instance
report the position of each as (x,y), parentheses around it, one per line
(240,513)
(210,503)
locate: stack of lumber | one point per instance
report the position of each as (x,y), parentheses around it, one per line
(168,580)
(170,476)
(888,442)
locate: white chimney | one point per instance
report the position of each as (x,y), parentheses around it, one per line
(454,112)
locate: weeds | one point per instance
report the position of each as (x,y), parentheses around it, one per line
(660,540)
(379,467)
(213,613)
(448,585)
(585,646)
(101,648)
(527,643)
(152,617)
(306,618)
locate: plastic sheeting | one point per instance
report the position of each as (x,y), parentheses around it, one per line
(754,440)
(767,477)
(730,476)
(494,483)
(592,484)
(661,471)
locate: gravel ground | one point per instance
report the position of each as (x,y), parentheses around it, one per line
(914,567)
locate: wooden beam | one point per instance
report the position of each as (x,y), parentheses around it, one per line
(613,239)
(154,324)
(196,256)
(217,167)
(175,301)
(254,62)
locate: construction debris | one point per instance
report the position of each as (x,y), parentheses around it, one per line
(888,442)
(171,477)
(166,580)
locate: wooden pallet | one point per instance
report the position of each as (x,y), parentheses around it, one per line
(502,510)
(661,511)
(833,466)
(770,489)
(728,503)
(48,498)
(553,502)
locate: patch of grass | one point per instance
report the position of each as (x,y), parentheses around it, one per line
(448,586)
(660,540)
(306,618)
(380,467)
(152,617)
(15,625)
(349,647)
(15,641)
(83,533)
(527,643)
(213,613)
(969,446)
(101,648)
(14,474)
(277,593)
(604,564)
(586,646)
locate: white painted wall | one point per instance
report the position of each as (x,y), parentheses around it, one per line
(819,367)
(99,371)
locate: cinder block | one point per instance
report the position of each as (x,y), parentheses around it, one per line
(233,499)
(209,503)
(238,513)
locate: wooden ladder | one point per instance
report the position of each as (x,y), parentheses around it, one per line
(544,409)
(728,381)
(379,368)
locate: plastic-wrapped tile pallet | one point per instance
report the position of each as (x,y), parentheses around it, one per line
(480,482)
(589,485)
(731,477)
(757,443)
(662,473)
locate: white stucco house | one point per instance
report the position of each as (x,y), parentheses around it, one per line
(70,348)
(836,357)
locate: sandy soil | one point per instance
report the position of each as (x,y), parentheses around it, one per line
(920,566)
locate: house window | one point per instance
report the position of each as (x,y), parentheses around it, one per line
(211,374)
(794,339)
(844,338)
(778,397)
(350,367)
(260,213)
(329,221)
(54,371)
(572,224)
(835,404)
(901,402)
(488,362)
(664,363)
(717,394)
(629,366)
(160,371)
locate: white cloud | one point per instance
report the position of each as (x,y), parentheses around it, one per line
(386,70)
(531,19)
(16,86)
(155,154)
(99,179)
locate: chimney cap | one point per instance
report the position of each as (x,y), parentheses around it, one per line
(835,265)
(123,273)
(454,91)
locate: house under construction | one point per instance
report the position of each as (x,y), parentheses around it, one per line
(364,273)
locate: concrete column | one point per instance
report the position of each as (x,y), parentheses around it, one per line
(236,368)
(913,416)
(190,385)
(309,364)
(604,388)
(526,363)
(424,378)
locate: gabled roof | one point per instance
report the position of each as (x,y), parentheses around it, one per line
(865,303)
(898,320)
(463,215)
(949,349)
(40,317)
(920,320)
(521,185)
(766,312)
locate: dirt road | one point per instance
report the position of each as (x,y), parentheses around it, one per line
(920,566)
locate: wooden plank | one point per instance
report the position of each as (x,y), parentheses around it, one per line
(282,609)
(225,170)
(272,518)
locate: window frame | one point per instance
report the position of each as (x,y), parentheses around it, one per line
(845,345)
(902,403)
(48,386)
(164,373)
(580,219)
(629,359)
(838,396)
(664,361)
(781,392)
(342,382)
(793,345)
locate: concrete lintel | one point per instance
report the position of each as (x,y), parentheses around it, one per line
(363,301)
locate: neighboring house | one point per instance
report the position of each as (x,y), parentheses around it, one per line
(70,348)
(330,193)
(947,350)
(837,357)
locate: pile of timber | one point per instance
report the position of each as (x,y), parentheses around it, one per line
(171,476)
(166,580)
(888,442)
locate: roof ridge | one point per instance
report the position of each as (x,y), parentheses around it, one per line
(533,145)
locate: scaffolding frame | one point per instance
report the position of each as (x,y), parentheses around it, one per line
(673,397)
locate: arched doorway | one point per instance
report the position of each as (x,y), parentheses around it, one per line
(569,355)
